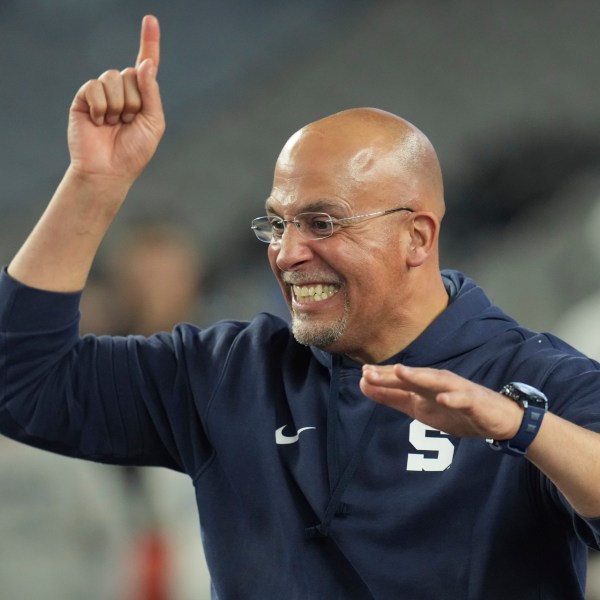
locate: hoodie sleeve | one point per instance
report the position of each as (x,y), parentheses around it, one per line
(571,381)
(119,400)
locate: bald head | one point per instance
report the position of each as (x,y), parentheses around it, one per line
(370,148)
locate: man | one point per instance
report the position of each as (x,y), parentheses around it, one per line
(306,488)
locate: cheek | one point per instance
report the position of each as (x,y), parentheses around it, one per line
(373,273)
(272,257)
(360,260)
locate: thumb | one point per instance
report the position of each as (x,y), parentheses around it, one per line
(149,89)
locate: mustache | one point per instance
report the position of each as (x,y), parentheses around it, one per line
(299,278)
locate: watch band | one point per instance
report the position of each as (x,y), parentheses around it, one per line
(535,405)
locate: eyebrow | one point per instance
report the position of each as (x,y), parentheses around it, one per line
(319,205)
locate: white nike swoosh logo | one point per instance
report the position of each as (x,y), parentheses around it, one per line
(288,439)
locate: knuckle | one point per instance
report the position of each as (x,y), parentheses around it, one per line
(93,85)
(112,75)
(94,93)
(446,374)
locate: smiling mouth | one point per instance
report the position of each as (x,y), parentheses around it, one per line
(314,293)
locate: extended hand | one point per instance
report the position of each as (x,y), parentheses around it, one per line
(117,120)
(443,400)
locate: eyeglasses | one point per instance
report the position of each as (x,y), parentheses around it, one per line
(311,225)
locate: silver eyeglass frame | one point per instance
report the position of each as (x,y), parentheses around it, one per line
(268,236)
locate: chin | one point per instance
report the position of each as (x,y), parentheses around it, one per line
(322,335)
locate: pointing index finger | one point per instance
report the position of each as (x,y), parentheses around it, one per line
(149,41)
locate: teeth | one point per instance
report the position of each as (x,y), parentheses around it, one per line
(314,293)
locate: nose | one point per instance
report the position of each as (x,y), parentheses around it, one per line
(292,249)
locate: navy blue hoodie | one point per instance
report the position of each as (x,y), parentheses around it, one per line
(307,489)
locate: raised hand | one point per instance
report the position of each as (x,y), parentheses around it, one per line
(117,120)
(443,400)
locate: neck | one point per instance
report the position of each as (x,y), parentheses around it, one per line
(430,301)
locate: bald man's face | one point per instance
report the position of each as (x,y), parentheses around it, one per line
(344,292)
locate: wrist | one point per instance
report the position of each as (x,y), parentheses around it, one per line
(532,405)
(98,185)
(92,201)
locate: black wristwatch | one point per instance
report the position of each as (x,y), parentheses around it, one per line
(535,404)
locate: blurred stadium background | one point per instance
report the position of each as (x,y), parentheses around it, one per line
(506,89)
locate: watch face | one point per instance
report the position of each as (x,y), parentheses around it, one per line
(531,395)
(528,390)
(535,404)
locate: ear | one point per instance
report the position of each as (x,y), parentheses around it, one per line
(423,232)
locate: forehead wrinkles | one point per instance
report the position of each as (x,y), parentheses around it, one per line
(363,159)
(321,178)
(348,164)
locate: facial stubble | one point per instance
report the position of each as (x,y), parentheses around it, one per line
(310,332)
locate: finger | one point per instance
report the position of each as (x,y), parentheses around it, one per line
(91,99)
(132,101)
(469,396)
(446,388)
(396,376)
(149,42)
(394,398)
(427,380)
(381,383)
(384,376)
(115,95)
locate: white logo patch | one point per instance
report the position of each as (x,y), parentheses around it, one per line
(421,441)
(288,439)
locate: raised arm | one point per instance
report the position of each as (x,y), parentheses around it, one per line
(115,125)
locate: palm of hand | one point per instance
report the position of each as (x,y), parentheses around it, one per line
(120,150)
